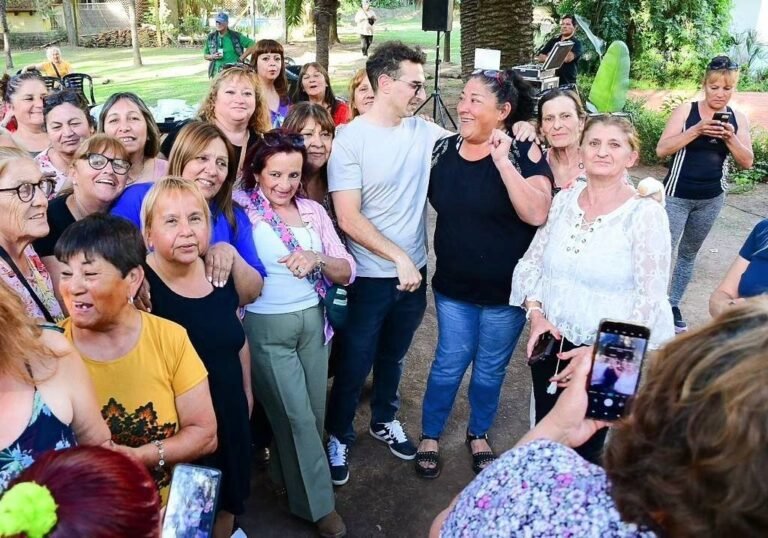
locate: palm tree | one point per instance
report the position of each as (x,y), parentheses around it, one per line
(134,33)
(505,25)
(323,13)
(6,34)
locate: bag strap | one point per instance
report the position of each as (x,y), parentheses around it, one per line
(7,258)
(57,71)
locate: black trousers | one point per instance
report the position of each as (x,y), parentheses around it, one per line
(365,43)
(540,373)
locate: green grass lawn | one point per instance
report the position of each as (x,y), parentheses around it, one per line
(181,73)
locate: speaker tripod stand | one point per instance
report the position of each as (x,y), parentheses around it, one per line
(439,110)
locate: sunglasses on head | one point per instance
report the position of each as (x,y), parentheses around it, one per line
(721,63)
(273,139)
(493,74)
(66,96)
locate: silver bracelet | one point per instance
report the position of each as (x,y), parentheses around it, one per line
(161,449)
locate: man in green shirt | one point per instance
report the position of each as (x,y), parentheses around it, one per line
(224,46)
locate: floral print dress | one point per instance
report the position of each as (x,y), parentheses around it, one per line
(43,433)
(541,489)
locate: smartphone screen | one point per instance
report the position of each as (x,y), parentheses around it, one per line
(191,509)
(616,368)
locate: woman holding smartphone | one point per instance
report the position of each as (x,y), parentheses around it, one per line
(700,136)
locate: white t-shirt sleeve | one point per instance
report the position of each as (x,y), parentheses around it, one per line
(344,167)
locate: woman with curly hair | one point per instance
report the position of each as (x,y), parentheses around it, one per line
(689,459)
(236,105)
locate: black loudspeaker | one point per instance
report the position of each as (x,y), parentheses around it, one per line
(437,16)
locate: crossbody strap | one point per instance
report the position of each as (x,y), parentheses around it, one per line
(7,258)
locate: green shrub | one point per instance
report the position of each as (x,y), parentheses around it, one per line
(649,125)
(744,180)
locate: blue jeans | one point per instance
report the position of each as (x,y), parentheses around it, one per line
(468,333)
(381,324)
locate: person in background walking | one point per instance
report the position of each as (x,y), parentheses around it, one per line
(696,182)
(224,46)
(365,18)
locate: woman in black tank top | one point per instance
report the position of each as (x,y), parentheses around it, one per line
(700,136)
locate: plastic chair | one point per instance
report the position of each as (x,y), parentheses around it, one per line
(76,81)
(52,83)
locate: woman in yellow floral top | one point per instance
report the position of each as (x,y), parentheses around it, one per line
(151,385)
(24,195)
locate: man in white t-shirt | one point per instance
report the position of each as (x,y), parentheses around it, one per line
(378,173)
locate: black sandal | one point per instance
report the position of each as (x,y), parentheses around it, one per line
(480,460)
(428,456)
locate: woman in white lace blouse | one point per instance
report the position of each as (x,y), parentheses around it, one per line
(603,253)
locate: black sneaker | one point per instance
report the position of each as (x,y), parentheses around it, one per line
(337,460)
(680,325)
(392,433)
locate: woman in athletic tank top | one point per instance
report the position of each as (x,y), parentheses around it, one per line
(700,136)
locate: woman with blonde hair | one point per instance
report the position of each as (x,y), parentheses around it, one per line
(268,58)
(24,193)
(360,93)
(699,137)
(126,117)
(203,155)
(176,224)
(604,252)
(99,172)
(49,401)
(235,104)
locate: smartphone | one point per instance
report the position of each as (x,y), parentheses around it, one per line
(616,366)
(724,117)
(544,348)
(192,501)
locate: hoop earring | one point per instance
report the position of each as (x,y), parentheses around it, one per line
(581,166)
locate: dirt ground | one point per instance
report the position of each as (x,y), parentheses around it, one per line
(384,497)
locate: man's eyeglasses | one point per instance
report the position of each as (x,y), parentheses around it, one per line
(417,86)
(275,138)
(26,191)
(97,161)
(722,63)
(493,74)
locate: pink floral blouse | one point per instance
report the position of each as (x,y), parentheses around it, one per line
(41,283)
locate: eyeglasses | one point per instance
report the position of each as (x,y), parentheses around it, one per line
(417,86)
(97,161)
(722,63)
(26,190)
(275,138)
(493,74)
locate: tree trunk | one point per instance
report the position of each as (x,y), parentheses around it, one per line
(483,26)
(447,47)
(322,18)
(70,21)
(6,34)
(134,33)
(158,24)
(334,36)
